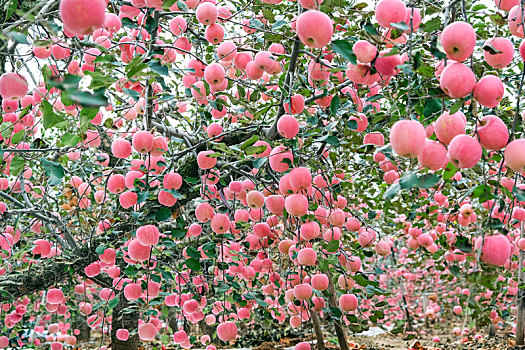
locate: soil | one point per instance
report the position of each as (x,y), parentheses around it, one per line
(503,340)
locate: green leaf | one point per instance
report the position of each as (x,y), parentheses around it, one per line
(158,68)
(483,192)
(344,48)
(53,170)
(454,269)
(50,117)
(193,252)
(428,180)
(182,6)
(17,165)
(163,214)
(259,162)
(332,246)
(432,105)
(431,25)
(151,25)
(280,23)
(113,302)
(88,99)
(363,281)
(18,137)
(450,171)
(408,181)
(401,26)
(334,104)
(86,116)
(374,98)
(193,264)
(130,271)
(392,191)
(69,140)
(223,288)
(456,106)
(520,194)
(331,140)
(352,124)
(250,150)
(128,23)
(18,37)
(249,142)
(10,8)
(175,194)
(255,23)
(167,4)
(370,29)
(130,92)
(463,244)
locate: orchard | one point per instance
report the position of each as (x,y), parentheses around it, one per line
(215,174)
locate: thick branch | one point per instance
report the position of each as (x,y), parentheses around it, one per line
(43,275)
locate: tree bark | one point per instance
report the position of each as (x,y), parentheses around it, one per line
(83,327)
(317,330)
(339,329)
(126,320)
(520,317)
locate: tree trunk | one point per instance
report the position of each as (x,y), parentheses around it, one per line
(520,325)
(125,320)
(492,330)
(317,330)
(172,321)
(339,329)
(83,327)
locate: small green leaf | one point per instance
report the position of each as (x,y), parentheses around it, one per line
(163,214)
(10,8)
(408,181)
(53,170)
(158,68)
(463,244)
(392,191)
(69,140)
(401,26)
(86,116)
(370,29)
(255,23)
(280,23)
(18,37)
(344,48)
(428,180)
(175,194)
(334,104)
(456,106)
(50,117)
(249,142)
(17,165)
(450,171)
(431,25)
(167,4)
(331,140)
(483,192)
(520,194)
(332,246)
(432,105)
(193,264)
(352,124)
(250,150)
(88,99)
(182,6)
(113,302)
(128,23)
